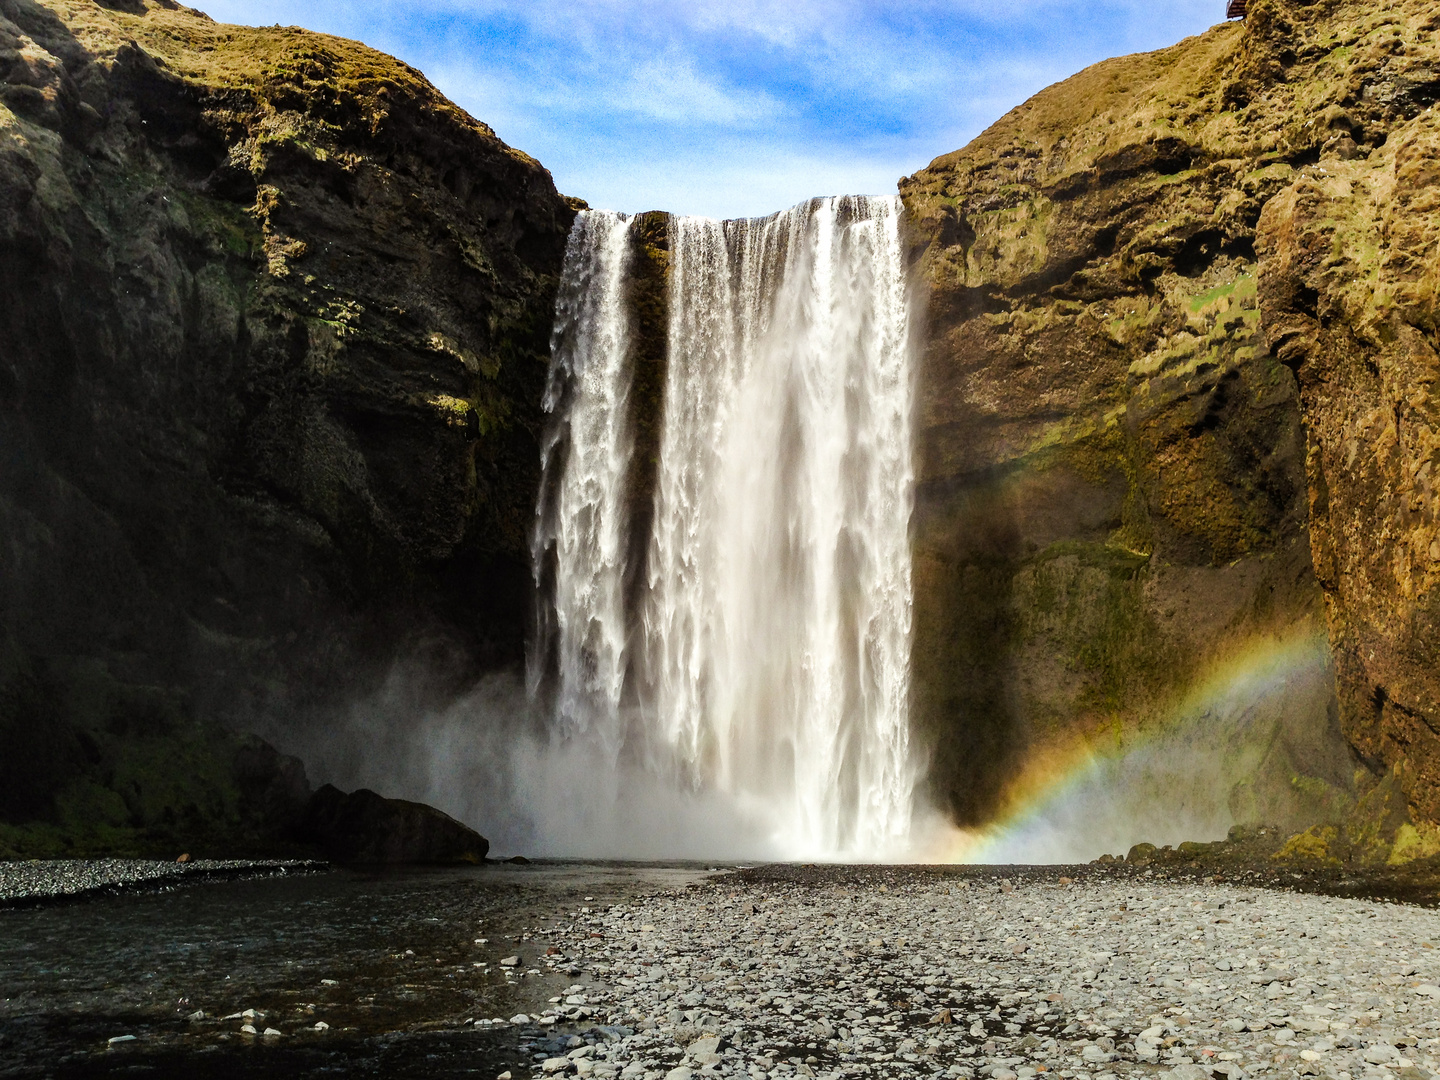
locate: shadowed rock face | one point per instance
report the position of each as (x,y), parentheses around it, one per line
(1121,478)
(364,827)
(272,348)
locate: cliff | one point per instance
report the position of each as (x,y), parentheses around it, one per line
(1177,412)
(273,343)
(276,333)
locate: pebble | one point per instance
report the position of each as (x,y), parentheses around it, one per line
(48,879)
(993,978)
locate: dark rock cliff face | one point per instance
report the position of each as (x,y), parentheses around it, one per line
(272,345)
(1122,479)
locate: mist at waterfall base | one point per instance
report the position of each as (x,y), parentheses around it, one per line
(491,759)
(1224,754)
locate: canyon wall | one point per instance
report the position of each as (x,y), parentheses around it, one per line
(1175,413)
(272,346)
(275,336)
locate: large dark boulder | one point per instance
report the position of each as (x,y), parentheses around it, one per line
(364,827)
(273,789)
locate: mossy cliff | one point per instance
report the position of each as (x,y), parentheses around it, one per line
(1348,293)
(272,348)
(1182,334)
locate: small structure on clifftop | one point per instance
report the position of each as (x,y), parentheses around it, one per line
(1236,9)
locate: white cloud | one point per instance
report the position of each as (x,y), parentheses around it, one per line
(669,88)
(738,107)
(729,181)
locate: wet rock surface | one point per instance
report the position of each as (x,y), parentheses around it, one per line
(353,973)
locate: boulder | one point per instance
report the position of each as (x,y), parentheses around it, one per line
(365,827)
(274,790)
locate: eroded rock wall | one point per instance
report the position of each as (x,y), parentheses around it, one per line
(273,340)
(1121,478)
(1349,267)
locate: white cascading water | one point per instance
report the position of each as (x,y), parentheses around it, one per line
(588,389)
(767,655)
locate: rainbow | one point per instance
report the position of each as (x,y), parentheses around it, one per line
(1164,782)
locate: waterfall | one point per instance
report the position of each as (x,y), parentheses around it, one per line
(584,459)
(765,654)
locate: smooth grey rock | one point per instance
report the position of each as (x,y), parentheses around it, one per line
(1381,1053)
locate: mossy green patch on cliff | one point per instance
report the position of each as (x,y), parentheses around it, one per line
(1311,846)
(1414,843)
(1242,292)
(1374,830)
(99,766)
(1010,243)
(1085,600)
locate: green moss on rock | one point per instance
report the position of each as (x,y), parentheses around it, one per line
(1112,498)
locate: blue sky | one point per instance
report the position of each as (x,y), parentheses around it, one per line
(736,108)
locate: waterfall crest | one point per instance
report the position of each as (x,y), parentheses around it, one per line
(765,655)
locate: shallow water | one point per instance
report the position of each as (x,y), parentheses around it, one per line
(397,952)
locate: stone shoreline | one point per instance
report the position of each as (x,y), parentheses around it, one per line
(57,880)
(844,972)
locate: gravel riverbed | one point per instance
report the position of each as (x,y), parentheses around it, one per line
(999,975)
(51,879)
